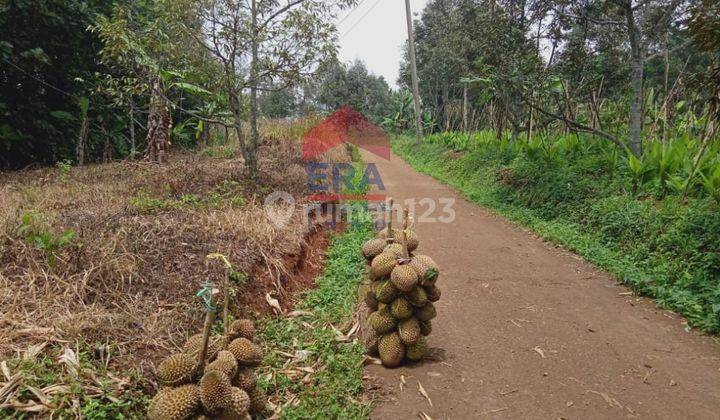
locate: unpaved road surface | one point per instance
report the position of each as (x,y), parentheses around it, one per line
(528,331)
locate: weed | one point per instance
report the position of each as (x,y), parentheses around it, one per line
(65,166)
(31,230)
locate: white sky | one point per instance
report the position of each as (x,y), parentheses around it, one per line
(374,32)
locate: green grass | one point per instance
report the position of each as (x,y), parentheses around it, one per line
(335,388)
(94,400)
(654,244)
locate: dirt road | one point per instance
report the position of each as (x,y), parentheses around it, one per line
(526,330)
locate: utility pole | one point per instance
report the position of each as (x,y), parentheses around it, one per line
(413,70)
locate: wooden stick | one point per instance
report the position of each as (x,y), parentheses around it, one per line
(209,319)
(406,216)
(390,236)
(226,302)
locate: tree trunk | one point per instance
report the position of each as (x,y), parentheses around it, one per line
(132,131)
(638,63)
(158,123)
(465,108)
(82,139)
(251,160)
(107,148)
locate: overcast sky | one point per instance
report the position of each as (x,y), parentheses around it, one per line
(374,32)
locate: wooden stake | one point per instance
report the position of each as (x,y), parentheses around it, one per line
(207,328)
(226,302)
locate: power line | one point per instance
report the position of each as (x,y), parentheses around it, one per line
(351,12)
(361,19)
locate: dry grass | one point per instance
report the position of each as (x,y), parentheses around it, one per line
(126,279)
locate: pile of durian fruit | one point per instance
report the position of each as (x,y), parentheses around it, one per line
(401,295)
(223,386)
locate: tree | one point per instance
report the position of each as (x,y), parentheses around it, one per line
(353,85)
(265,45)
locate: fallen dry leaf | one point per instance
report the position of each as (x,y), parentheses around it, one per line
(540,351)
(274,303)
(424,393)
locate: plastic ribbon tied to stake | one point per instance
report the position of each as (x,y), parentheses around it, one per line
(206,295)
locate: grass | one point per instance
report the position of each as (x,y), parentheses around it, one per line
(325,380)
(654,244)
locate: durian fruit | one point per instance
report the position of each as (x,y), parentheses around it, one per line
(433,293)
(176,370)
(258,400)
(244,328)
(373,247)
(404,278)
(409,331)
(425,328)
(371,300)
(175,403)
(371,339)
(224,363)
(382,321)
(245,351)
(416,352)
(401,308)
(385,291)
(245,378)
(425,268)
(239,405)
(194,344)
(382,265)
(391,350)
(215,391)
(382,307)
(417,297)
(412,240)
(426,313)
(395,249)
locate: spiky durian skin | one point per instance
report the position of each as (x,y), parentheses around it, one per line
(371,339)
(382,321)
(175,403)
(416,352)
(409,331)
(239,405)
(404,278)
(426,313)
(194,344)
(245,351)
(395,249)
(176,370)
(386,291)
(258,400)
(225,363)
(417,297)
(413,241)
(245,378)
(373,247)
(244,328)
(425,328)
(215,391)
(426,269)
(382,265)
(433,293)
(391,349)
(401,308)
(371,300)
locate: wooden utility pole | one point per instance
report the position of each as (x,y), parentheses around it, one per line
(413,70)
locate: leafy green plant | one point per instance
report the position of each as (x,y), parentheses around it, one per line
(65,166)
(43,239)
(711,183)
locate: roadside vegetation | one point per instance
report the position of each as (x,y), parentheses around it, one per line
(583,193)
(316,370)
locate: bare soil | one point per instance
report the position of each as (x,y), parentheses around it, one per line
(528,330)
